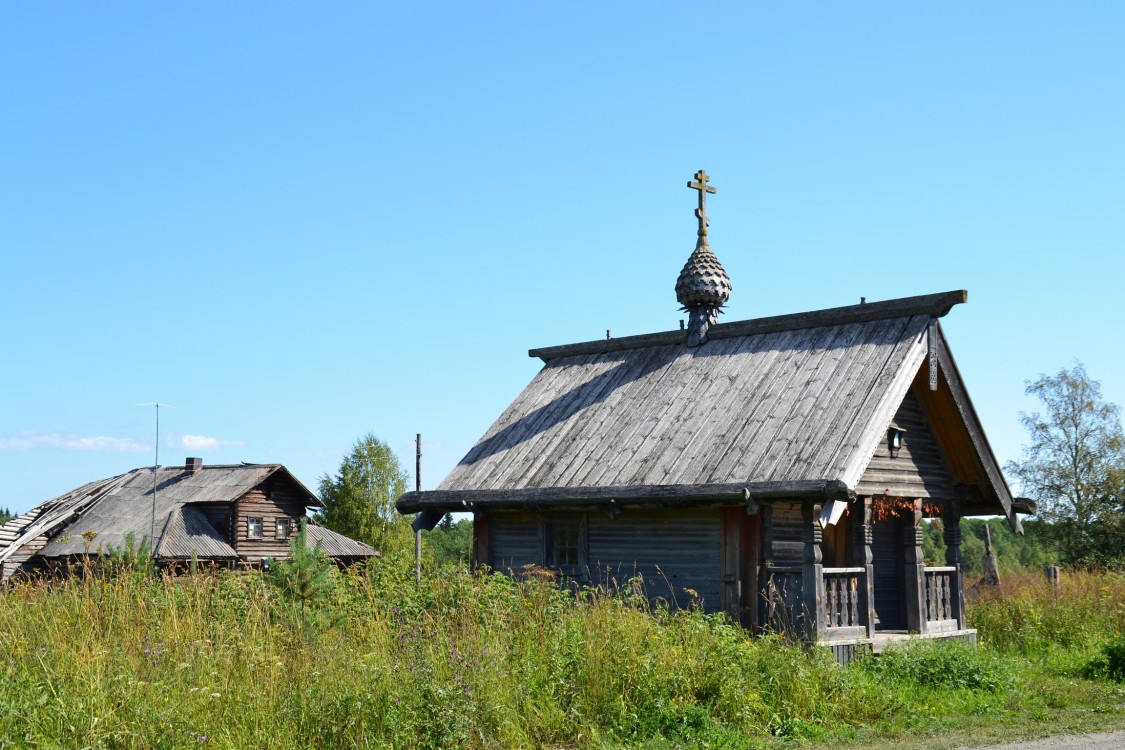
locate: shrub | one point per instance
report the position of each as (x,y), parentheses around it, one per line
(1110,663)
(942,664)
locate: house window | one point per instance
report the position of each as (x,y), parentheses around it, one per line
(565,545)
(283,526)
(562,545)
(253,528)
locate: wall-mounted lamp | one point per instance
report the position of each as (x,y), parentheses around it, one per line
(894,440)
(613,511)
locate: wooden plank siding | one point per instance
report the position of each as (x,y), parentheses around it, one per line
(272,501)
(919,470)
(788,547)
(513,541)
(672,551)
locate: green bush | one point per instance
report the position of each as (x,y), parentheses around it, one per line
(1110,662)
(943,664)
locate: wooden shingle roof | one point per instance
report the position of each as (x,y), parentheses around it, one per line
(779,406)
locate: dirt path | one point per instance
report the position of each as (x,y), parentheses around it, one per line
(1097,741)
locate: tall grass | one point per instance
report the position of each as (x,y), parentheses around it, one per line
(226,660)
(1063,626)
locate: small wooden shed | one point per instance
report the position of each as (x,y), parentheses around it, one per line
(233,515)
(778,469)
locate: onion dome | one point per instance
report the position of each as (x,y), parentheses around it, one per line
(703,287)
(703,280)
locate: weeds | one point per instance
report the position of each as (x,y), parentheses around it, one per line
(459,660)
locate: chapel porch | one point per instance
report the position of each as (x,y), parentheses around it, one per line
(836,606)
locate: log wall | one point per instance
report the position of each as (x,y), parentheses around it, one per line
(270,502)
(672,551)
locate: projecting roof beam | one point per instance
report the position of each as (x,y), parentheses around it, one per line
(934,305)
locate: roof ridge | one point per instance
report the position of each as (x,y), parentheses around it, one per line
(934,305)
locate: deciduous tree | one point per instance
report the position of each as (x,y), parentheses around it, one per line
(1074,465)
(360,499)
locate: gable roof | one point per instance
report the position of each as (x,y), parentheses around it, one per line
(335,544)
(119,508)
(784,406)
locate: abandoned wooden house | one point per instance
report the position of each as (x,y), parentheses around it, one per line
(778,469)
(232,516)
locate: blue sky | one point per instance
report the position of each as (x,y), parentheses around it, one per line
(298,223)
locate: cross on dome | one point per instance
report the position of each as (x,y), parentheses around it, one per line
(700,184)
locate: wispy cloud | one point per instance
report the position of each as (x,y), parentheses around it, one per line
(205,443)
(29,440)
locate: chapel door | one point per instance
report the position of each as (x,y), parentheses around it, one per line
(741,551)
(887,550)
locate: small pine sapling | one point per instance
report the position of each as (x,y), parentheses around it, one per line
(307,574)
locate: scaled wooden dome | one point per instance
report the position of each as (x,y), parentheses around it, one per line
(703,280)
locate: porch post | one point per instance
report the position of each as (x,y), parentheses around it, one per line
(812,578)
(862,556)
(914,570)
(764,594)
(951,520)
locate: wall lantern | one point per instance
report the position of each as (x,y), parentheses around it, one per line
(894,440)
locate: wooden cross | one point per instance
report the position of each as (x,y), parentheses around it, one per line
(700,184)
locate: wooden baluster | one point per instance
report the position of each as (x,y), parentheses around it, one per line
(931,586)
(853,599)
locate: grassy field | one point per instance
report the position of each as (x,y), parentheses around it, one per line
(235,661)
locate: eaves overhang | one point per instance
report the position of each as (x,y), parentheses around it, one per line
(633,496)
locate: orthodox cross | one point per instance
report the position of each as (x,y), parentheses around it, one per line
(700,184)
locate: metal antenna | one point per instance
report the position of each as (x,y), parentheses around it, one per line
(155,468)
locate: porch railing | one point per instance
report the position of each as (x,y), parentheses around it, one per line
(942,598)
(843,607)
(842,604)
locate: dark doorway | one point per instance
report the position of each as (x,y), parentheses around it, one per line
(887,549)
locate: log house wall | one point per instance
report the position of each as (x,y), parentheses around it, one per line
(788,546)
(671,550)
(268,502)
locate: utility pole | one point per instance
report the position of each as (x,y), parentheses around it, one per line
(418,488)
